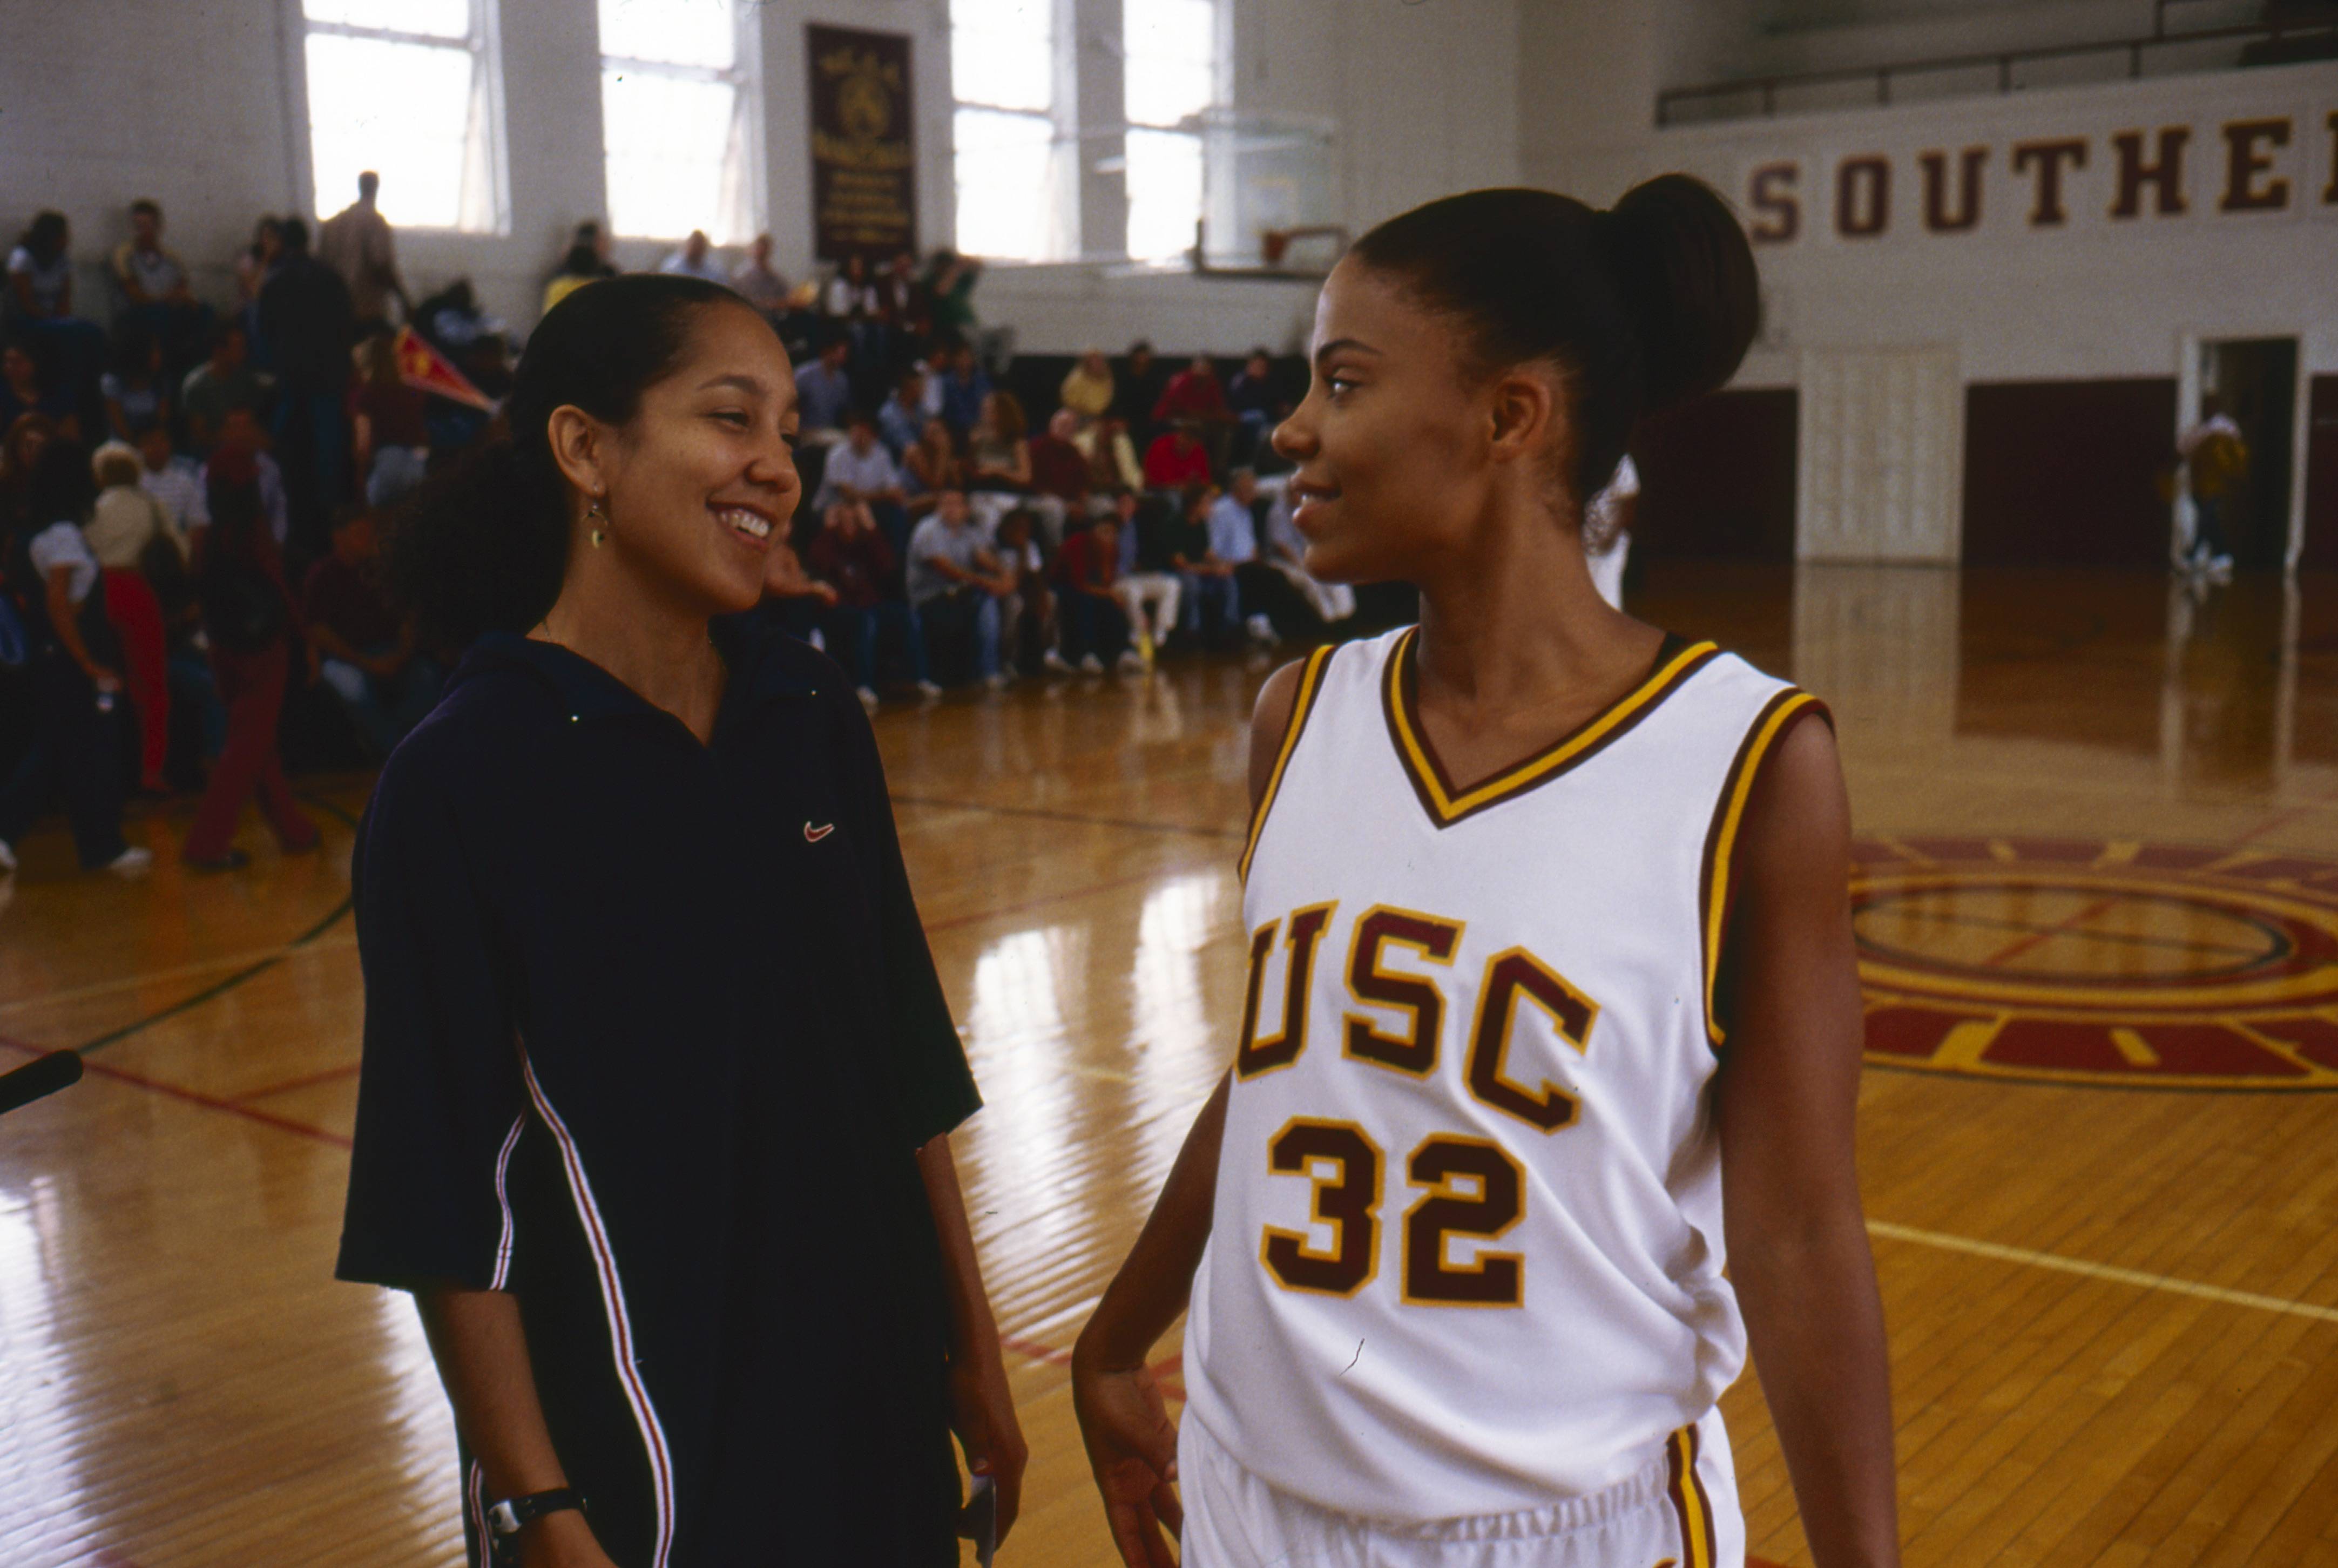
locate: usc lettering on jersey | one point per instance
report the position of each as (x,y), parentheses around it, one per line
(1467,1251)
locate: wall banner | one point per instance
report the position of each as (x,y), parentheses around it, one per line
(864,177)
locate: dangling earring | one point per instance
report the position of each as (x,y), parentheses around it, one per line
(598,536)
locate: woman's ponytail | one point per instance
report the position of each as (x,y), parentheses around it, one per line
(1687,275)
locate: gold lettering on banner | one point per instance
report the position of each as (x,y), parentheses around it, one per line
(1771,193)
(2245,161)
(1863,196)
(863,155)
(2048,158)
(2164,175)
(1938,217)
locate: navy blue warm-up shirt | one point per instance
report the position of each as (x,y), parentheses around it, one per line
(651,1037)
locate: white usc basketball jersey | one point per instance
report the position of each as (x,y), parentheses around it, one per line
(1467,1251)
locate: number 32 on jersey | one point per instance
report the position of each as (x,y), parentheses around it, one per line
(1471,1188)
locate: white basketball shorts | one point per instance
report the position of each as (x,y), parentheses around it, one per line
(1679,1511)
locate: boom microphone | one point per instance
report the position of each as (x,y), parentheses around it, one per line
(49,1074)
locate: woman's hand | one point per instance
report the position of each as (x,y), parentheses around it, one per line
(103,679)
(982,1414)
(561,1540)
(1133,1449)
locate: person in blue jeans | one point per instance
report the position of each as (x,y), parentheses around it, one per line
(851,556)
(956,584)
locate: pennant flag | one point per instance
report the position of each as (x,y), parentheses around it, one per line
(424,368)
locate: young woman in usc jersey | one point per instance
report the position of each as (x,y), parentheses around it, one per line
(1552,1010)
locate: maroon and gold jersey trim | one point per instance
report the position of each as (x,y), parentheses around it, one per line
(1714,881)
(1310,686)
(1691,1506)
(1675,661)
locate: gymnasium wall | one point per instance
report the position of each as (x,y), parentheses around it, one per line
(204,108)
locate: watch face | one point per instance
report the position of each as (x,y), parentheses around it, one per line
(2100,961)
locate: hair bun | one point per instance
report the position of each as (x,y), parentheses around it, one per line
(1686,274)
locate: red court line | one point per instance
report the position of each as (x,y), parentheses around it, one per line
(327,1075)
(2062,928)
(1071,896)
(191,1096)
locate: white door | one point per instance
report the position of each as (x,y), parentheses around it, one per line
(1881,471)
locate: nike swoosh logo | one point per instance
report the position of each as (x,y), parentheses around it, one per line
(814,834)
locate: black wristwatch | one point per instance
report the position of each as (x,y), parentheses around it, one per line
(507,1518)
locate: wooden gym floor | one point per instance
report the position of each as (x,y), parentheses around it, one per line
(2098,886)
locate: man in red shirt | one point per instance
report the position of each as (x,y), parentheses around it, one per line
(851,556)
(1196,395)
(1059,474)
(1093,624)
(1176,459)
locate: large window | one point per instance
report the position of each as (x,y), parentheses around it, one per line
(407,89)
(1014,200)
(1172,76)
(677,114)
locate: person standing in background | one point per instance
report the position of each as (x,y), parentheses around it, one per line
(1607,531)
(357,243)
(2216,459)
(51,580)
(309,323)
(696,258)
(126,524)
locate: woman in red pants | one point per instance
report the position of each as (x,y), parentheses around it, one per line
(249,618)
(125,525)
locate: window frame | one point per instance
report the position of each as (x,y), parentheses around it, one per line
(482,41)
(1062,118)
(744,76)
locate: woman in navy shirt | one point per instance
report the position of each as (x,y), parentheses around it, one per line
(658,1074)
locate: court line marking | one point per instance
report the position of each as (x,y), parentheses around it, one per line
(195,1097)
(179,972)
(1999,1252)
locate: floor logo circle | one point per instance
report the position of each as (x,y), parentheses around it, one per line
(2100,961)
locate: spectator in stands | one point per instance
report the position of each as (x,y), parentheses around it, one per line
(1059,475)
(1176,459)
(965,385)
(1211,604)
(1195,395)
(24,390)
(253,264)
(824,391)
(357,243)
(901,298)
(1087,386)
(174,481)
(586,262)
(850,296)
(1032,606)
(364,648)
(40,300)
(860,470)
(391,441)
(239,446)
(1149,589)
(309,323)
(1111,457)
(125,525)
(75,661)
(933,468)
(1256,408)
(137,390)
(220,384)
(1095,624)
(997,450)
(903,415)
(956,585)
(696,258)
(757,283)
(1136,388)
(949,294)
(156,294)
(1233,539)
(852,557)
(28,436)
(1318,606)
(252,629)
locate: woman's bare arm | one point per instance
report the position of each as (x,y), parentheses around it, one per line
(481,1348)
(982,1405)
(1789,1098)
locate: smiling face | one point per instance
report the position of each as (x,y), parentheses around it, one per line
(701,481)
(1394,442)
